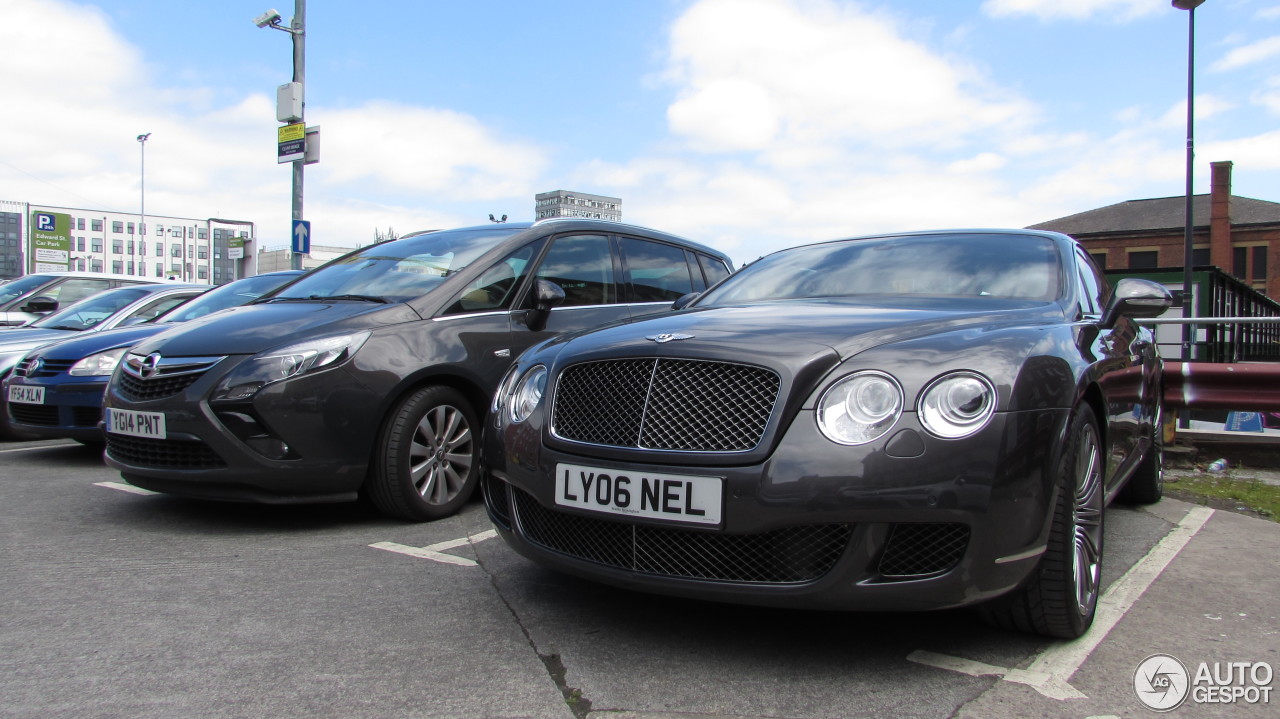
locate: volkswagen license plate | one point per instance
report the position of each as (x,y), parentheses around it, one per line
(677,497)
(135,424)
(26,394)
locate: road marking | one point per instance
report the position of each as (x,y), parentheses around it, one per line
(124,487)
(43,446)
(435,552)
(1050,673)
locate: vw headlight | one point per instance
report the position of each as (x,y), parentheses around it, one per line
(528,393)
(287,362)
(97,365)
(957,405)
(859,408)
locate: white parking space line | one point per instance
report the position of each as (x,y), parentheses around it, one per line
(121,486)
(435,552)
(32,449)
(1051,672)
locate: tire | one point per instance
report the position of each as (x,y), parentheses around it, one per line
(1146,485)
(1061,597)
(426,463)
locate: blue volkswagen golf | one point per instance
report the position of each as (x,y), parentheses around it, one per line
(55,391)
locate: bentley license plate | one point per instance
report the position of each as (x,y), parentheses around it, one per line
(676,497)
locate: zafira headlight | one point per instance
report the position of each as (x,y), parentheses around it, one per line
(860,408)
(288,362)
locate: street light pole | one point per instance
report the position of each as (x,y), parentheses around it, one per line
(1188,249)
(142,205)
(298,30)
(299,73)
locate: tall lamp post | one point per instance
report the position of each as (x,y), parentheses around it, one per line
(1188,250)
(142,203)
(296,29)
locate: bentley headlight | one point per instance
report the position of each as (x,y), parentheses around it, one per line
(528,393)
(504,389)
(97,365)
(288,362)
(957,405)
(859,408)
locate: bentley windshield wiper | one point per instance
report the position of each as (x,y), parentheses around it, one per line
(321,298)
(361,298)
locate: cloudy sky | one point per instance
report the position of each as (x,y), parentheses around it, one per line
(749,125)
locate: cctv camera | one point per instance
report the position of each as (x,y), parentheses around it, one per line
(270,17)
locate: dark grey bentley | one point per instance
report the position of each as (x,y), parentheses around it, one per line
(914,421)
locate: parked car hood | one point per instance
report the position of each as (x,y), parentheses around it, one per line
(28,337)
(807,327)
(79,347)
(253,328)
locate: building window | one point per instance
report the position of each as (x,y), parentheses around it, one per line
(1239,258)
(79,223)
(175,251)
(95,245)
(96,225)
(1260,262)
(117,246)
(131,249)
(129,227)
(159,269)
(1099,259)
(202,253)
(1200,257)
(202,273)
(202,234)
(95,265)
(79,244)
(118,227)
(117,267)
(159,249)
(1147,260)
(130,267)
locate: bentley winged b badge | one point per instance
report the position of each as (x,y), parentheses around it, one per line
(668,337)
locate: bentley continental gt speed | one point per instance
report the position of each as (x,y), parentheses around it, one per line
(913,421)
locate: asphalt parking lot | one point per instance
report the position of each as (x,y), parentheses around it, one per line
(125,604)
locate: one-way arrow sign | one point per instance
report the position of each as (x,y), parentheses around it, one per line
(301,236)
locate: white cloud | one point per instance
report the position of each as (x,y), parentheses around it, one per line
(1073,9)
(1250,54)
(79,106)
(982,162)
(757,73)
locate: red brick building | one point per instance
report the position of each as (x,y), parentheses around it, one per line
(1239,235)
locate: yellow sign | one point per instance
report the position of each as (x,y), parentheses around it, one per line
(295,131)
(292,145)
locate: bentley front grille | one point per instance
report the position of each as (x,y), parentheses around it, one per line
(665,404)
(917,550)
(792,555)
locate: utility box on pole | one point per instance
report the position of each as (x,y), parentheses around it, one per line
(289,102)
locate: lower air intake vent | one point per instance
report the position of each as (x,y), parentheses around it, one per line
(792,555)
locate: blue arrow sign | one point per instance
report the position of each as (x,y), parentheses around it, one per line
(301,236)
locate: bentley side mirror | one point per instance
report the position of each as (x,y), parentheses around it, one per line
(1136,298)
(685,300)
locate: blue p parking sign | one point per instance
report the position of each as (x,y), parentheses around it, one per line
(46,222)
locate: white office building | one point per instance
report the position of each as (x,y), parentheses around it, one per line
(46,238)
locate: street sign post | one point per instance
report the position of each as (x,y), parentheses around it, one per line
(301,235)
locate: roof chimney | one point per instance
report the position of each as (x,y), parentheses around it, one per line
(1220,215)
